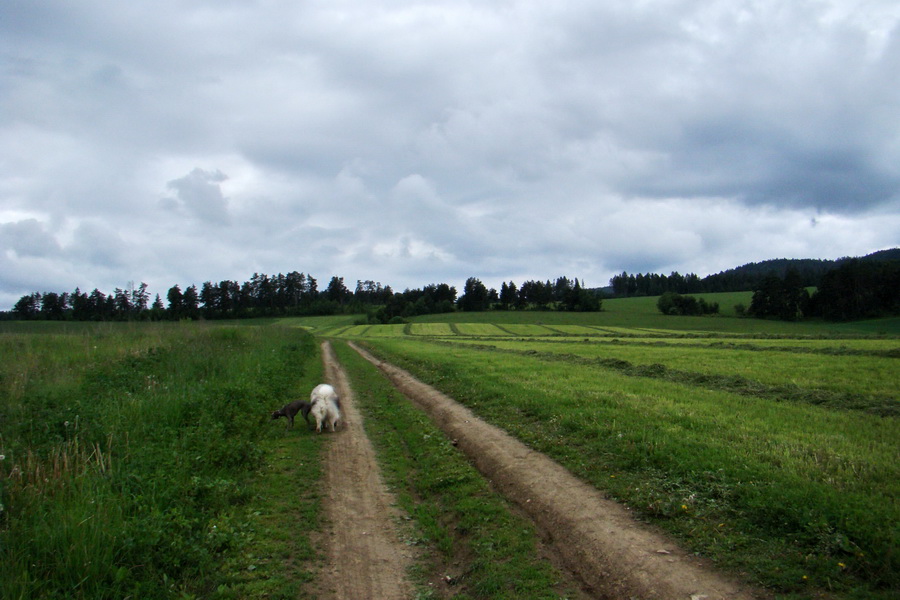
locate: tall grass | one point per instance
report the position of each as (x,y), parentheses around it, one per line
(126,450)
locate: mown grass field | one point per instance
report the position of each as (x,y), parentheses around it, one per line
(809,368)
(773,448)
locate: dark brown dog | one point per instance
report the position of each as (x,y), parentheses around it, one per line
(290,411)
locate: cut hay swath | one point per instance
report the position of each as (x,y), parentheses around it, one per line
(392,330)
(356,331)
(812,371)
(574,330)
(481,329)
(528,330)
(431,329)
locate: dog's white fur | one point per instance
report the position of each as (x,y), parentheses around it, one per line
(321,392)
(325,407)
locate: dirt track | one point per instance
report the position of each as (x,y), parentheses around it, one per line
(366,558)
(597,540)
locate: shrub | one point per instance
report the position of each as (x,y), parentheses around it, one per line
(672,303)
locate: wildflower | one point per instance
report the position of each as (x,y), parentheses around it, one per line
(684,506)
(842,565)
(805,578)
(66,424)
(2,457)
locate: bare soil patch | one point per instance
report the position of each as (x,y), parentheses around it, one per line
(365,555)
(596,539)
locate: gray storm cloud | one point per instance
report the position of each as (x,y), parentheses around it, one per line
(200,194)
(28,237)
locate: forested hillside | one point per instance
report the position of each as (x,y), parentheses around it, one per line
(808,272)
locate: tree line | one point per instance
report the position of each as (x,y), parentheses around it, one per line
(806,272)
(564,294)
(856,289)
(298,294)
(654,284)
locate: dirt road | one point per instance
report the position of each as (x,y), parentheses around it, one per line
(365,555)
(597,540)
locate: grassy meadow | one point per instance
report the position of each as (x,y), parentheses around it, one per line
(138,460)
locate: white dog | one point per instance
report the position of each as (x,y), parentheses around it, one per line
(326,406)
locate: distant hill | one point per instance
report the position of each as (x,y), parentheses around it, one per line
(811,270)
(892,254)
(745,278)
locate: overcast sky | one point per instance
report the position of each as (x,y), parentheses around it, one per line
(177,142)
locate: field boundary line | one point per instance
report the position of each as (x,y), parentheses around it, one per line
(597,539)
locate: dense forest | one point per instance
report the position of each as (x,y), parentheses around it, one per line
(855,289)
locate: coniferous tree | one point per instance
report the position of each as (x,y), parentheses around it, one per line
(140,298)
(81,308)
(98,306)
(190,302)
(475,296)
(779,298)
(337,291)
(28,307)
(859,289)
(508,294)
(176,303)
(157,309)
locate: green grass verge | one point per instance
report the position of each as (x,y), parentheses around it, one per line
(470,532)
(277,558)
(802,498)
(131,454)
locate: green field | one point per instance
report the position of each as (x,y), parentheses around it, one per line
(809,370)
(143,450)
(772,447)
